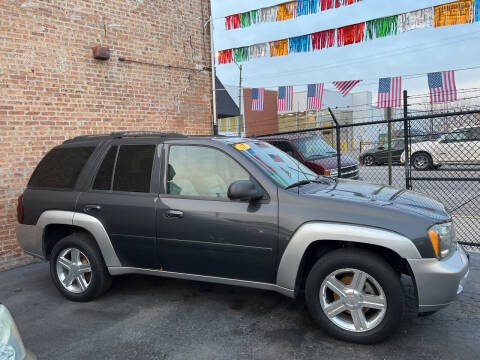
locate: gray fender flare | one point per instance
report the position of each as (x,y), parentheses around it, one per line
(84,221)
(319,231)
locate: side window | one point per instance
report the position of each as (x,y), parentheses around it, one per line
(201,171)
(457,136)
(60,168)
(285,147)
(103,180)
(474,134)
(133,171)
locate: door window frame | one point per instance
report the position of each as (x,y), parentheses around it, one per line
(164,177)
(156,165)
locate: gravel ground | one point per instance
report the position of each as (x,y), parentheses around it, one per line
(153,318)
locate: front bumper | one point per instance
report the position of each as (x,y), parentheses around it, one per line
(438,282)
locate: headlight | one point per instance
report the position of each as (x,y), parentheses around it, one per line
(11,346)
(442,237)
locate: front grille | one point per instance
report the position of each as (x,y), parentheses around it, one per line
(350,172)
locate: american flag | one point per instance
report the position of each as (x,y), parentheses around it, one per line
(442,87)
(258,98)
(345,86)
(390,92)
(314,96)
(285,98)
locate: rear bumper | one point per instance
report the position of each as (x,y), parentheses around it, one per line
(26,236)
(438,282)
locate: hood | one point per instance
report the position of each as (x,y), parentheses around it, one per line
(382,196)
(331,162)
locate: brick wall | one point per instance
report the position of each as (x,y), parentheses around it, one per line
(52,89)
(260,122)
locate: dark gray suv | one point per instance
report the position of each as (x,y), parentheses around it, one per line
(238,212)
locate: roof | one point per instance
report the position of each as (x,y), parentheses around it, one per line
(226,107)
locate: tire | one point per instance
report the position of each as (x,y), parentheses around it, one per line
(70,261)
(382,282)
(422,161)
(369,160)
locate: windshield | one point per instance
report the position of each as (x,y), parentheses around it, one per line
(279,166)
(313,148)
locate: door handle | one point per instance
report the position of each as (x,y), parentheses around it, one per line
(174,214)
(88,208)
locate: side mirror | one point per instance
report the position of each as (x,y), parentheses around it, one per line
(244,190)
(380,148)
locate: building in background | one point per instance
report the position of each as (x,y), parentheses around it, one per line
(226,106)
(158,78)
(354,108)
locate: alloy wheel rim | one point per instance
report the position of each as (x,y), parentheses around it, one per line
(421,161)
(353,300)
(369,160)
(74,270)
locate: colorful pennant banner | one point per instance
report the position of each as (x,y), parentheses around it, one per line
(350,34)
(455,13)
(282,12)
(416,20)
(379,28)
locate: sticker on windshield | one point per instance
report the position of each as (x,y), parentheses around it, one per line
(242,146)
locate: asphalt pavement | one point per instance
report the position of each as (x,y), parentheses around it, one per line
(153,318)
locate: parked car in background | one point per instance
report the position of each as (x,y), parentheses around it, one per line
(11,345)
(461,146)
(238,212)
(316,154)
(379,155)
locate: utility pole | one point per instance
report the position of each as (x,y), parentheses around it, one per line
(214,89)
(240,120)
(406,140)
(297,119)
(388,117)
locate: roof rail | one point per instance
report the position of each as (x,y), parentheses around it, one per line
(123,134)
(120,134)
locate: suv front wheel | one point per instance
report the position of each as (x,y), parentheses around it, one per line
(77,268)
(355,296)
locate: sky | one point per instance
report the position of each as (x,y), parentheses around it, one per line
(415,52)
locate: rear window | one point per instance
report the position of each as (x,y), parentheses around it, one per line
(59,169)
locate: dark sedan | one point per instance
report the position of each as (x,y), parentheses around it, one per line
(378,155)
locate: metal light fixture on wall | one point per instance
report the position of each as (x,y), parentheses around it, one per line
(103,52)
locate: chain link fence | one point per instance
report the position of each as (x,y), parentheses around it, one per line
(441,152)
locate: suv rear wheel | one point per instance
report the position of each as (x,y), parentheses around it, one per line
(355,296)
(77,268)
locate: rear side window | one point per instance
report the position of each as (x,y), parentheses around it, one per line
(59,169)
(285,147)
(133,170)
(103,180)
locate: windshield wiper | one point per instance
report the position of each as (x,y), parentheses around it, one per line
(299,183)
